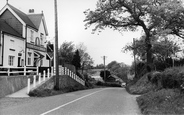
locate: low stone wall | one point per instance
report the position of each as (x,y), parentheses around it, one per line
(11,84)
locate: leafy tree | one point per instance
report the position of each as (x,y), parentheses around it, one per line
(155,17)
(66,52)
(107,74)
(76,60)
(100,66)
(86,60)
(162,48)
(119,69)
(111,64)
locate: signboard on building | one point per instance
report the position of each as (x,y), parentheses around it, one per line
(39,48)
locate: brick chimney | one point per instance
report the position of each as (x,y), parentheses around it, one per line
(31,10)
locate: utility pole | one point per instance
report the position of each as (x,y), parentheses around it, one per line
(56,48)
(134,57)
(104,57)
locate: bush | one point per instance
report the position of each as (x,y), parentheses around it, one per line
(165,101)
(108,84)
(143,85)
(170,78)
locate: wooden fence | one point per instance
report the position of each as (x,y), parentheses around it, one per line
(18,71)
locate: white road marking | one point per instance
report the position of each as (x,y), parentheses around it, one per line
(71,102)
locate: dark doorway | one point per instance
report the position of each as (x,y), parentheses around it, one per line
(19,61)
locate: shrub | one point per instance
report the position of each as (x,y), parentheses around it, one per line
(170,78)
(108,84)
(173,77)
(165,101)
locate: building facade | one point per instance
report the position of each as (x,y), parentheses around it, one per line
(22,38)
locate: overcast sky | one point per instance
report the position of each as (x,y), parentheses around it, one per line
(71,28)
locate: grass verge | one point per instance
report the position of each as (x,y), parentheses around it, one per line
(165,101)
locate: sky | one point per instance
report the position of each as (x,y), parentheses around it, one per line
(71,27)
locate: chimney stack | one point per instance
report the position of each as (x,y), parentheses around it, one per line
(31,10)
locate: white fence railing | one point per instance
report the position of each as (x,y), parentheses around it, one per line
(18,70)
(47,75)
(42,78)
(66,71)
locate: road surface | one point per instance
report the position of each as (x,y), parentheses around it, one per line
(100,101)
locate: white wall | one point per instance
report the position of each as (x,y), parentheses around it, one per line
(42,30)
(37,34)
(1,49)
(15,43)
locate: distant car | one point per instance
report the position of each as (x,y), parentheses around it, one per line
(123,84)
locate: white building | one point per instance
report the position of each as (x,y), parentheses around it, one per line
(22,38)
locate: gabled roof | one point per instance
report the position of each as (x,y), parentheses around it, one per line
(8,29)
(23,16)
(36,19)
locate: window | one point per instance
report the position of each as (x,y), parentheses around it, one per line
(29,58)
(12,44)
(1,59)
(11,60)
(41,62)
(32,36)
(37,41)
(41,39)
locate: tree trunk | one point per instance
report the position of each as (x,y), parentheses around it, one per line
(82,67)
(148,51)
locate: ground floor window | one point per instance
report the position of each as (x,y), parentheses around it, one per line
(41,62)
(29,58)
(1,59)
(11,60)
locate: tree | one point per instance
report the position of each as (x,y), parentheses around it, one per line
(162,48)
(107,74)
(119,69)
(66,52)
(76,60)
(86,60)
(155,17)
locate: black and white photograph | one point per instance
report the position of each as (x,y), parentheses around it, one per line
(91,57)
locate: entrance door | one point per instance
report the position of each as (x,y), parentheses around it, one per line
(19,61)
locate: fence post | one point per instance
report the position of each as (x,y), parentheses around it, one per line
(48,73)
(24,70)
(68,72)
(64,70)
(37,70)
(72,75)
(28,85)
(34,81)
(39,78)
(8,71)
(52,71)
(44,75)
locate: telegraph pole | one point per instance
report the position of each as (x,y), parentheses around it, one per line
(56,48)
(134,57)
(104,57)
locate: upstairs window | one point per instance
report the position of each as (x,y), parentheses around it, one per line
(37,41)
(41,39)
(29,58)
(31,36)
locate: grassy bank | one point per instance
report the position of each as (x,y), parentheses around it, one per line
(161,92)
(165,101)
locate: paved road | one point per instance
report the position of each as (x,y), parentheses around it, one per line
(101,101)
